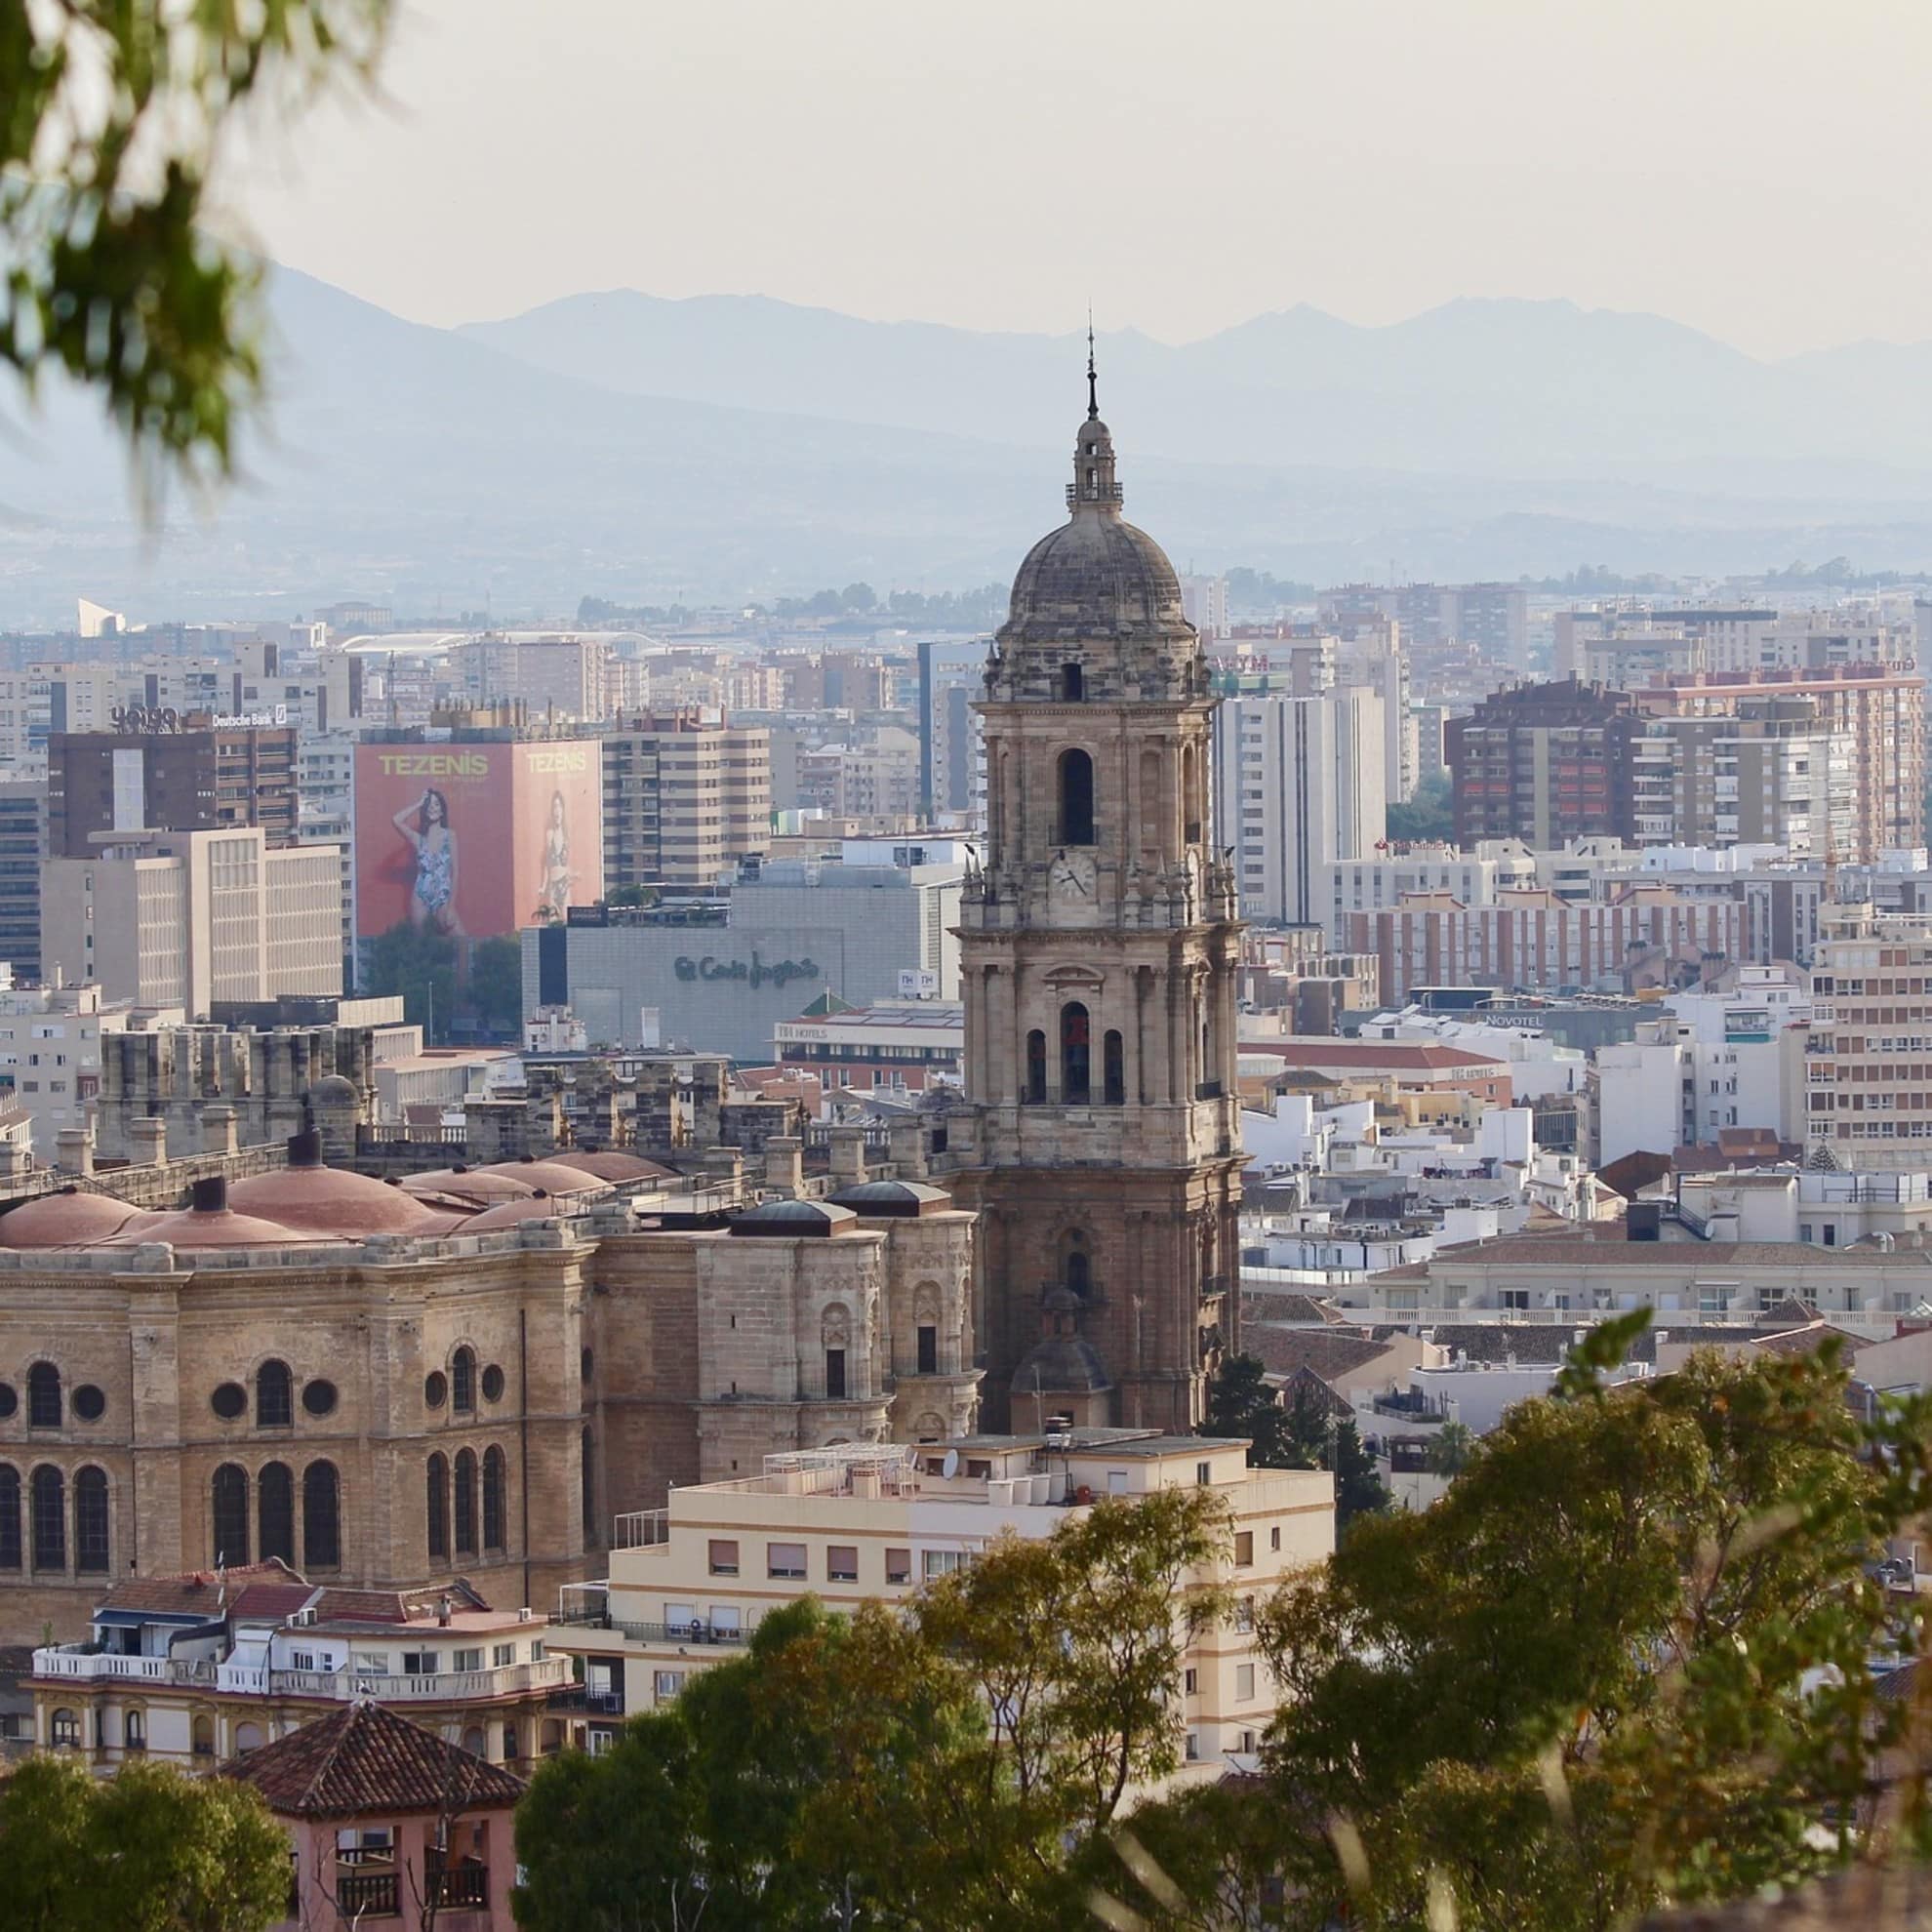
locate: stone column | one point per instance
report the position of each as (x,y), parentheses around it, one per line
(148,1141)
(219,1133)
(73,1150)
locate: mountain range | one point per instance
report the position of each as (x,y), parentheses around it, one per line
(643,448)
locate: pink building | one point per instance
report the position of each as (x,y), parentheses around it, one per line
(384,1818)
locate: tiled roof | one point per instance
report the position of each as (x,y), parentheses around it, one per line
(198,1592)
(395,1606)
(1612,1250)
(1393,1054)
(1813,1335)
(1285,1305)
(1326,1352)
(1306,1384)
(366,1761)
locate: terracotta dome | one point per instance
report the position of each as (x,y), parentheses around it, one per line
(68,1219)
(480,1186)
(506,1214)
(611,1165)
(552,1176)
(331,1200)
(217,1228)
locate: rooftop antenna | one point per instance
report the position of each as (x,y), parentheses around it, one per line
(1093,381)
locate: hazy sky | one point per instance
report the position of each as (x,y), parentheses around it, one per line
(1755,168)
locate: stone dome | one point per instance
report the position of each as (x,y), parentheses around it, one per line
(538,1206)
(470,1187)
(551,1175)
(894,1199)
(610,1164)
(1061,1365)
(215,1227)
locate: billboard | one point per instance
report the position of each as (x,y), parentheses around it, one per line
(476,839)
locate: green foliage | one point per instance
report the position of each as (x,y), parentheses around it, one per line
(111,116)
(1625,1658)
(1450,1449)
(420,964)
(1426,815)
(1305,1435)
(149,1851)
(494,986)
(929,1770)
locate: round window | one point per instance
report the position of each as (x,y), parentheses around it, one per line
(436,1389)
(493,1384)
(318,1397)
(90,1404)
(229,1402)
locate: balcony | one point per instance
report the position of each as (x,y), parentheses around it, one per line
(251,1680)
(694,1633)
(580,1696)
(361,1895)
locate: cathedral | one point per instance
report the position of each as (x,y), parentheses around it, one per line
(1099,946)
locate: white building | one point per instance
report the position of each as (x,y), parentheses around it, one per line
(50,1054)
(858,1521)
(1299,783)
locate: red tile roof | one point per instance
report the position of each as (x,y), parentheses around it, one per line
(199,1592)
(1398,1054)
(366,1761)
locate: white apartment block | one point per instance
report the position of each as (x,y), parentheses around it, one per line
(860,1522)
(187,920)
(1299,784)
(50,1056)
(1473,878)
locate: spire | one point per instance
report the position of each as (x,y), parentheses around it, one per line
(1093,485)
(1093,381)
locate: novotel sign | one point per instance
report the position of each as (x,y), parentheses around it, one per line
(754,973)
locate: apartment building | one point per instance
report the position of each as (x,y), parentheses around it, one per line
(896,1047)
(22,846)
(551,677)
(1869,1056)
(187,920)
(1473,878)
(50,1056)
(686,796)
(211,774)
(1299,784)
(1875,711)
(1544,763)
(864,1521)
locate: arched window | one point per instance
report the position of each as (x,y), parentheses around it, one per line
(274,1512)
(439,1504)
(49,1519)
(465,1503)
(1075,1054)
(248,1738)
(274,1396)
(43,1397)
(133,1730)
(91,1521)
(230,1514)
(1036,1068)
(1076,797)
(1113,1069)
(321,1518)
(1072,684)
(1079,1272)
(463,1382)
(10,1517)
(496,1499)
(202,1731)
(588,1497)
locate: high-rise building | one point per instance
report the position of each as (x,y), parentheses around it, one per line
(1299,784)
(685,798)
(22,846)
(1205,601)
(206,777)
(951,750)
(188,920)
(1099,957)
(1545,763)
(1868,1063)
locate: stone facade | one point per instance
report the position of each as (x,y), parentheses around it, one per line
(1099,960)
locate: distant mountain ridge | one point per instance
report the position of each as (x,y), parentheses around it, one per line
(1489,387)
(730,447)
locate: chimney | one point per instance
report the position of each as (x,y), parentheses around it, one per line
(848,1156)
(209,1195)
(443,1611)
(907,1141)
(785,1166)
(724,1167)
(148,1141)
(218,1134)
(305,1148)
(73,1150)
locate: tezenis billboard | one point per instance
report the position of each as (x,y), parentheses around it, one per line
(476,839)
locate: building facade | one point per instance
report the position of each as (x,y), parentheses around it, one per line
(685,798)
(1099,950)
(1544,763)
(103,784)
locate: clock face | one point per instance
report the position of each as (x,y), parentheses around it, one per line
(1071,876)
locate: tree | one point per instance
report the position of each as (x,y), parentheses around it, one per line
(1450,1449)
(1426,815)
(114,115)
(930,1770)
(152,1850)
(1241,1404)
(420,964)
(1625,1658)
(494,986)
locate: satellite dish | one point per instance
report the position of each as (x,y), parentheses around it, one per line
(950,1466)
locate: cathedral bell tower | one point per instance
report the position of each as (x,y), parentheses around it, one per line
(1099,945)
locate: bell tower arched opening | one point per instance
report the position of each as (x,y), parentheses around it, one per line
(1076,797)
(1075,1054)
